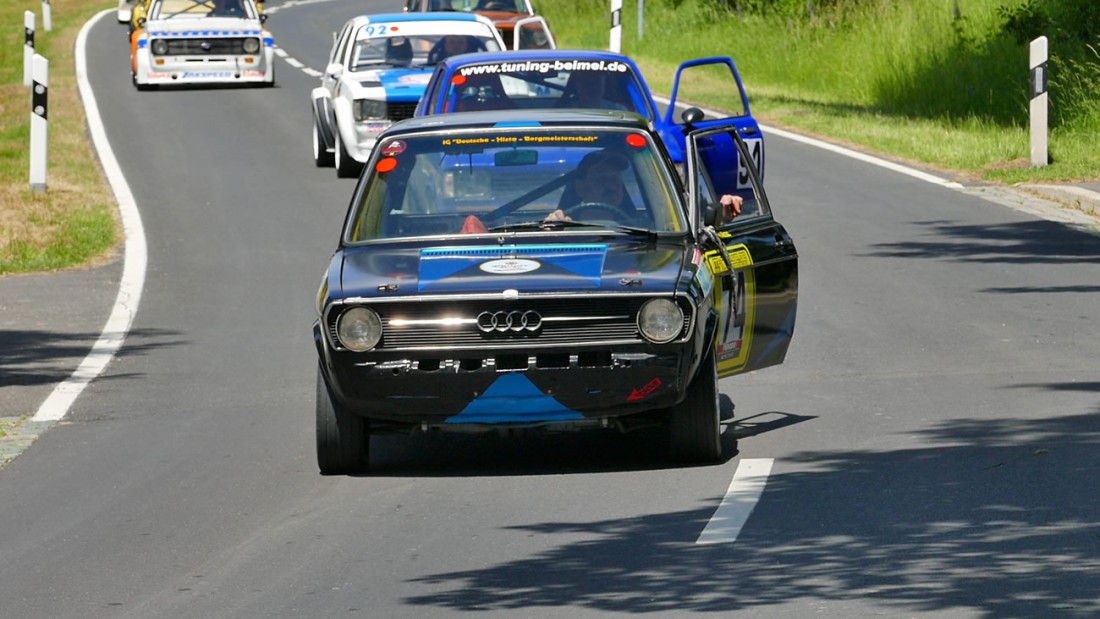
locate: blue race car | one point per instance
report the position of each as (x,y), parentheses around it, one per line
(376,73)
(575,79)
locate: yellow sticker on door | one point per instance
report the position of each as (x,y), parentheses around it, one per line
(734,294)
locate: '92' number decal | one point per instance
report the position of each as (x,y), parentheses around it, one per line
(756,151)
(375,30)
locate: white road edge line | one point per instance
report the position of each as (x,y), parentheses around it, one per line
(118,324)
(840,150)
(742,496)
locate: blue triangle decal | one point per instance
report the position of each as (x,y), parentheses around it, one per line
(512,398)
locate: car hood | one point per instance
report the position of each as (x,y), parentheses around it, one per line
(504,19)
(526,268)
(402,82)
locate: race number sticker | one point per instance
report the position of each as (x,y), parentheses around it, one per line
(733,291)
(756,151)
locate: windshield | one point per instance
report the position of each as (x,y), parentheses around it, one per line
(558,83)
(378,47)
(467,6)
(194,9)
(515,179)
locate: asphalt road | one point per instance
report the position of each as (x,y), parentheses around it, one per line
(934,430)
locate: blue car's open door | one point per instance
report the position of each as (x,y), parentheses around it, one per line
(712,83)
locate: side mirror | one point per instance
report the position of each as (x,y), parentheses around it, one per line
(710,215)
(691,116)
(263,18)
(141,22)
(334,70)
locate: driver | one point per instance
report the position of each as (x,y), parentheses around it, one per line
(598,179)
(598,184)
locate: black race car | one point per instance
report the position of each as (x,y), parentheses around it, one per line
(547,269)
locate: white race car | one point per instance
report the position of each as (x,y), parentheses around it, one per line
(376,74)
(202,42)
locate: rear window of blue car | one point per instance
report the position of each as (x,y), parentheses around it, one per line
(509,179)
(542,84)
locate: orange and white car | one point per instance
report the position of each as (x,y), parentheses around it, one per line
(519,26)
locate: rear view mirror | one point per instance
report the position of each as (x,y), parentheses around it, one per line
(516,157)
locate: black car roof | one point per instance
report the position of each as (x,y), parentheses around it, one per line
(597,119)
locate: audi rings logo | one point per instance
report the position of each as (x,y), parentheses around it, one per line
(509,322)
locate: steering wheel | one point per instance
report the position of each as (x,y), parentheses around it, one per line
(597,211)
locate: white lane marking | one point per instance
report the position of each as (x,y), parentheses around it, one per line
(744,492)
(118,324)
(840,150)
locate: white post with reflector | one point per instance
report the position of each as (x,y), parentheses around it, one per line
(39,105)
(616,26)
(28,47)
(47,23)
(1040,103)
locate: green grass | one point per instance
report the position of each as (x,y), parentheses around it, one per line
(72,223)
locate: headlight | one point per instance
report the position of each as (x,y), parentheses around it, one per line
(660,320)
(359,329)
(322,293)
(159,47)
(251,45)
(369,109)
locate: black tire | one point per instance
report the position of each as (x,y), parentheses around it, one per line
(321,156)
(696,425)
(343,438)
(346,167)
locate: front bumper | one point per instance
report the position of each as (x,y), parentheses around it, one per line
(515,388)
(254,68)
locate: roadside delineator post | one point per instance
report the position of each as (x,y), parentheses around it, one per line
(47,23)
(1039,102)
(39,101)
(616,26)
(28,47)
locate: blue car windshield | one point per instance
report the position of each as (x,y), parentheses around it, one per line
(535,84)
(533,179)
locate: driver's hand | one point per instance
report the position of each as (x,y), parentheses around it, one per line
(731,205)
(558,215)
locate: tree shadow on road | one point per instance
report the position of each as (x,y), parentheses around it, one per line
(997,518)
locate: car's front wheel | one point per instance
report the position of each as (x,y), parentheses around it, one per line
(696,425)
(321,156)
(346,167)
(343,438)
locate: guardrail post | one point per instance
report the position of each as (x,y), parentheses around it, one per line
(47,23)
(39,101)
(28,47)
(616,26)
(1039,102)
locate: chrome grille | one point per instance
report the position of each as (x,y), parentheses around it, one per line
(205,47)
(451,325)
(400,111)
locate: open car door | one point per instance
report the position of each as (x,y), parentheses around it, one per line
(712,79)
(751,256)
(533,33)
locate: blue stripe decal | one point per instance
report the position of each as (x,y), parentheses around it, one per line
(404,85)
(205,33)
(513,398)
(571,266)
